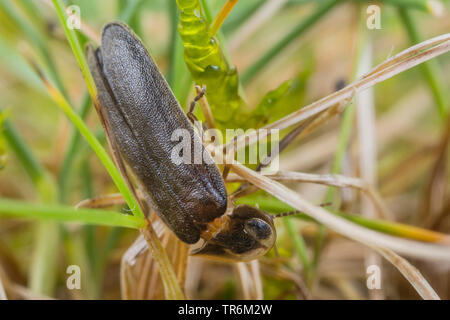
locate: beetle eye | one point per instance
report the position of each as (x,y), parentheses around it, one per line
(258,229)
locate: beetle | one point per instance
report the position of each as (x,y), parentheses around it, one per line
(138,106)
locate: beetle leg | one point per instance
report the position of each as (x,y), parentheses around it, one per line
(197,98)
(104,201)
(226,170)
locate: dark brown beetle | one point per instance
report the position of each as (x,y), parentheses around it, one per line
(142,112)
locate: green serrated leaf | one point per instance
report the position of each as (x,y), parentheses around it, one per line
(208,66)
(281,101)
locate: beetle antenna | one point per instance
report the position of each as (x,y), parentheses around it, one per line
(292,213)
(285,214)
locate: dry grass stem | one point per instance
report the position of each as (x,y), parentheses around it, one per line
(435,190)
(400,118)
(335,180)
(245,280)
(257,281)
(250,279)
(284,273)
(209,118)
(85,28)
(403,61)
(367,156)
(139,273)
(2,291)
(340,225)
(411,274)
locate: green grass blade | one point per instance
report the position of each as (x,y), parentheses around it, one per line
(78,122)
(98,149)
(423,5)
(64,176)
(43,271)
(45,246)
(430,69)
(397,229)
(39,176)
(37,39)
(323,8)
(76,48)
(299,244)
(240,16)
(19,209)
(130,9)
(178,76)
(13,62)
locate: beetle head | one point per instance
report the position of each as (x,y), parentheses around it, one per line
(248,234)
